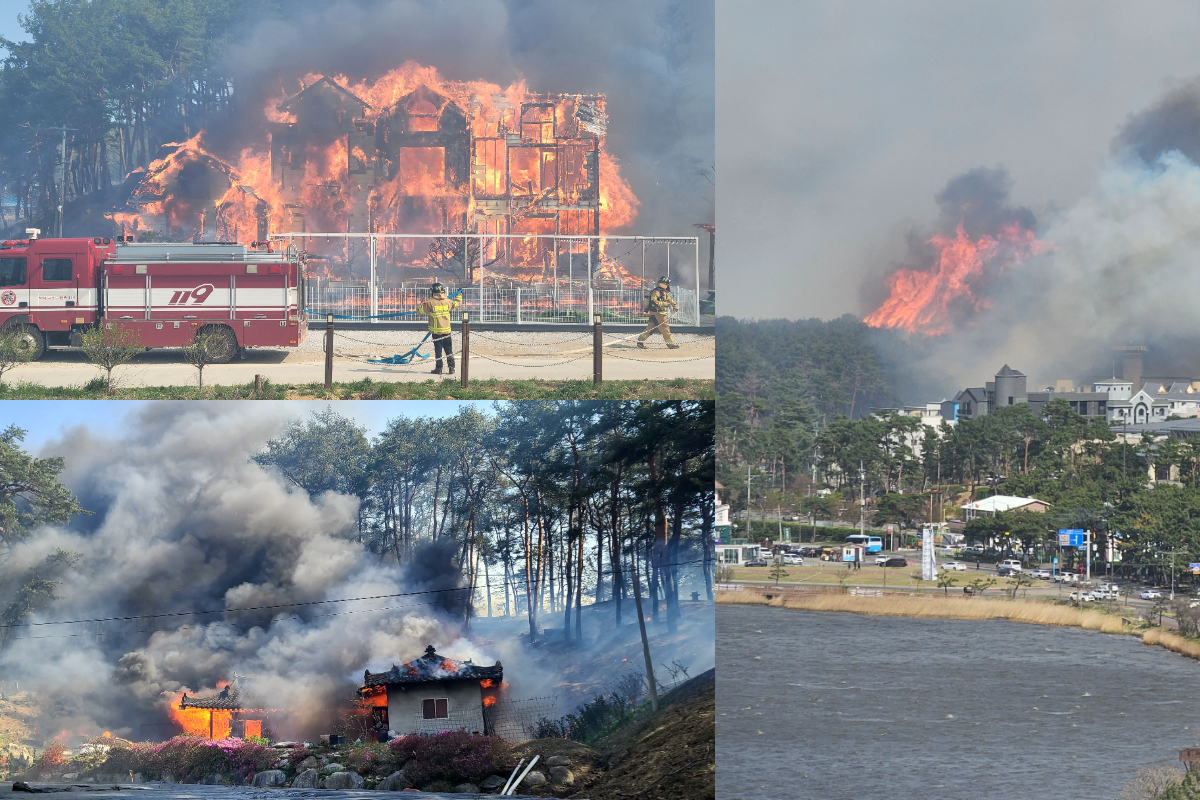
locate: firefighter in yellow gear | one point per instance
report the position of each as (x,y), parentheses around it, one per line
(659,306)
(437,308)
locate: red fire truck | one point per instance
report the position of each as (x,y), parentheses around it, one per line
(167,293)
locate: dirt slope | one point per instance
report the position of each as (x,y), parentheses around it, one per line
(668,755)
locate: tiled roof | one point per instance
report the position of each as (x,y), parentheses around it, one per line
(229,699)
(432,667)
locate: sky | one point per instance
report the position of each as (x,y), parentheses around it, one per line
(9,27)
(47,420)
(838,122)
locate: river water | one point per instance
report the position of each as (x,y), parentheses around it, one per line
(822,705)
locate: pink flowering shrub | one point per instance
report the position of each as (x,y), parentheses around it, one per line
(295,755)
(190,758)
(453,756)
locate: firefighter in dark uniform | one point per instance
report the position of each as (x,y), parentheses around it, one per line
(438,309)
(659,306)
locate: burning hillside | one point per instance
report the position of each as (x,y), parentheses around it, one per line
(226,583)
(926,300)
(405,153)
(1115,267)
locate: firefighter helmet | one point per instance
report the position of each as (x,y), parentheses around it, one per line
(437,288)
(664,281)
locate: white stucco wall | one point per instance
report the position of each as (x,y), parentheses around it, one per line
(465,706)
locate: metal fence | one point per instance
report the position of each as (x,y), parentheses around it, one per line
(517,305)
(519,720)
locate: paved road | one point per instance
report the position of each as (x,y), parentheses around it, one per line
(1039,588)
(152,791)
(547,356)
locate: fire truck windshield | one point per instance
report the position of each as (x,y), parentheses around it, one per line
(12,271)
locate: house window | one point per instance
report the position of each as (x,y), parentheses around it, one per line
(379,716)
(435,709)
(253,728)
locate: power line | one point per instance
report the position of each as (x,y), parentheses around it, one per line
(169,614)
(229,610)
(187,627)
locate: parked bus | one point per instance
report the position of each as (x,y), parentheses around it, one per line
(871,544)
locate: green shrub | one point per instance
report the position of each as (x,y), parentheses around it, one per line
(369,759)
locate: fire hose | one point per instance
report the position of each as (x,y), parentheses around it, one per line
(406,358)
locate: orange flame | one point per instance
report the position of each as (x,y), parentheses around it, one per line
(421,191)
(375,696)
(487,683)
(489,701)
(922,301)
(196,721)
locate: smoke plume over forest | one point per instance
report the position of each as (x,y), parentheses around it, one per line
(1054,294)
(197,562)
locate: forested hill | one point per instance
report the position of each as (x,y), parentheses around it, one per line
(124,76)
(829,366)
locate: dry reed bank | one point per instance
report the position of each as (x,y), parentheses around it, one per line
(1029,611)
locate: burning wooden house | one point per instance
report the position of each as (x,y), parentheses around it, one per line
(406,153)
(229,713)
(432,694)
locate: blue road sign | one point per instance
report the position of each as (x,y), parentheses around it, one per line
(1072,537)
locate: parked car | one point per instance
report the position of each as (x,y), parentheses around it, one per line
(1006,572)
(957,566)
(792,558)
(896,561)
(1151,594)
(1011,564)
(881,560)
(1082,596)
(1104,593)
(971,550)
(757,562)
(1040,574)
(1066,577)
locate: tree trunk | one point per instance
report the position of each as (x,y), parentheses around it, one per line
(637,599)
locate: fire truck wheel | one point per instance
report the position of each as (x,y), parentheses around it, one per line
(222,343)
(33,342)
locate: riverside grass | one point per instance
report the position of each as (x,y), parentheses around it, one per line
(1029,611)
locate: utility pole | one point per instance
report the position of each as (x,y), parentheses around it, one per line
(1088,540)
(1172,554)
(749,526)
(62,194)
(862,499)
(1124,435)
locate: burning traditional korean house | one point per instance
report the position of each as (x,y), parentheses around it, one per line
(432,694)
(229,713)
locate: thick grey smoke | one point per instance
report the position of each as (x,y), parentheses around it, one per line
(184,521)
(1121,270)
(978,200)
(653,60)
